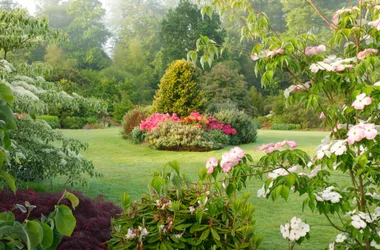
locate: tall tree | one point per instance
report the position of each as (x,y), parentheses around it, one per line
(182,28)
(8,4)
(33,32)
(87,34)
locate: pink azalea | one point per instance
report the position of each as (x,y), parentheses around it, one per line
(315,50)
(370,131)
(363,54)
(211,164)
(355,134)
(375,24)
(237,152)
(361,101)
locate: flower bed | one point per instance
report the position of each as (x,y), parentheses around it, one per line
(195,132)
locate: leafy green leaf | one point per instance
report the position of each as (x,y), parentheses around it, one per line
(64,220)
(72,198)
(48,237)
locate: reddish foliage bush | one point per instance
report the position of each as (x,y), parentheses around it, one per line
(133,119)
(93,226)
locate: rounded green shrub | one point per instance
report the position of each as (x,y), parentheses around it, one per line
(243,123)
(72,122)
(219,138)
(137,135)
(53,121)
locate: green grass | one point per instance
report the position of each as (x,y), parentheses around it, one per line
(127,168)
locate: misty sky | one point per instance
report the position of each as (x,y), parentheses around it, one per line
(30,4)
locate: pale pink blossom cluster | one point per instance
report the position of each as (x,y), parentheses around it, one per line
(361,101)
(134,233)
(332,63)
(361,131)
(338,13)
(153,121)
(296,88)
(294,230)
(315,50)
(269,148)
(229,160)
(266,53)
(363,54)
(375,24)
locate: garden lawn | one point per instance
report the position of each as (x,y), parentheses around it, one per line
(127,168)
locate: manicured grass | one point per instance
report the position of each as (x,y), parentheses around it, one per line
(127,168)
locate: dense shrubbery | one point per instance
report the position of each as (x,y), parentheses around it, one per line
(53,121)
(180,214)
(39,153)
(179,137)
(285,126)
(93,219)
(133,119)
(245,127)
(195,132)
(72,122)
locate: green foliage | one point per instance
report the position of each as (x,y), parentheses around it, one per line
(70,122)
(53,121)
(137,135)
(179,91)
(133,119)
(24,31)
(34,234)
(183,26)
(222,85)
(219,138)
(180,214)
(179,137)
(243,123)
(285,126)
(40,153)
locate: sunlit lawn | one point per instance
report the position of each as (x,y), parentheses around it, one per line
(127,168)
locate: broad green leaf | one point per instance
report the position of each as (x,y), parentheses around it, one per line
(9,180)
(125,201)
(64,220)
(7,217)
(6,94)
(157,183)
(33,234)
(215,235)
(72,198)
(48,237)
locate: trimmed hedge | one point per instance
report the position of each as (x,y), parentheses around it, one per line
(53,121)
(93,226)
(285,126)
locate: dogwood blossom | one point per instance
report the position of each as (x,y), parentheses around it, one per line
(340,238)
(357,222)
(328,195)
(211,164)
(270,53)
(323,150)
(332,63)
(296,88)
(269,148)
(363,54)
(231,158)
(339,147)
(282,172)
(294,230)
(315,50)
(338,13)
(361,101)
(322,115)
(359,132)
(375,244)
(375,24)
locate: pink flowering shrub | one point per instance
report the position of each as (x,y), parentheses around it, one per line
(153,121)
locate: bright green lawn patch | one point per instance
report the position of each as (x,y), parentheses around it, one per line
(127,168)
